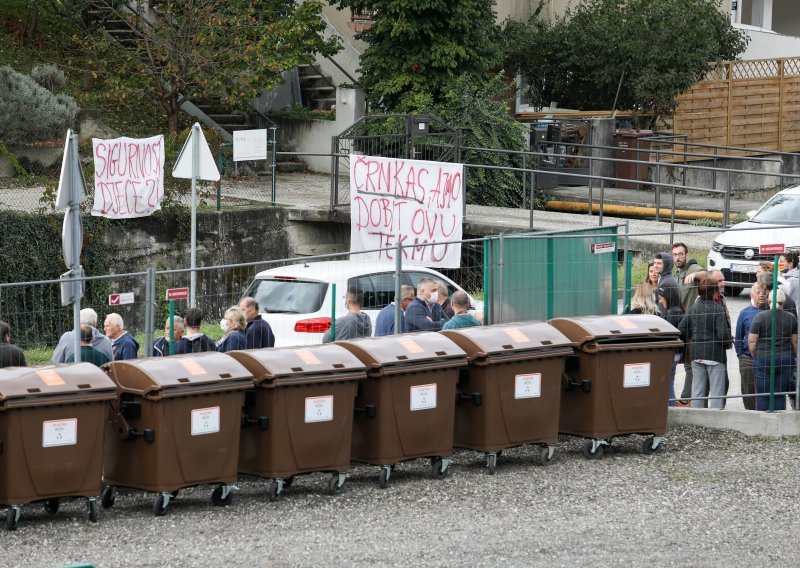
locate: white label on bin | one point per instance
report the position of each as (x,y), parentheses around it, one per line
(319,408)
(205,421)
(423,397)
(636,375)
(59,432)
(528,386)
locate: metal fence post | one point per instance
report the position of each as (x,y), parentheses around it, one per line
(398,301)
(533,196)
(334,172)
(333,312)
(149,311)
(551,278)
(524,179)
(274,132)
(774,310)
(486,285)
(602,201)
(501,276)
(627,266)
(658,187)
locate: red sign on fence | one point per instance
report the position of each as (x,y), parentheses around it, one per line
(177,293)
(771,249)
(600,248)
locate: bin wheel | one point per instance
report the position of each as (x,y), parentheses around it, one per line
(647,445)
(438,467)
(592,455)
(92,505)
(545,454)
(108,496)
(275,489)
(51,506)
(218,500)
(336,482)
(384,475)
(160,505)
(12,518)
(491,463)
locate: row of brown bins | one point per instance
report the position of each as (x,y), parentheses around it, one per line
(188,420)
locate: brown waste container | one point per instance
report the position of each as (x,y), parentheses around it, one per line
(630,146)
(405,408)
(175,424)
(299,419)
(52,423)
(618,380)
(509,395)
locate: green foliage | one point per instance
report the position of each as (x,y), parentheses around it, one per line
(478,108)
(657,48)
(49,76)
(31,113)
(416,47)
(705,222)
(31,250)
(226,50)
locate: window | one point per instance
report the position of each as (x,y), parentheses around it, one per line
(287,296)
(378,289)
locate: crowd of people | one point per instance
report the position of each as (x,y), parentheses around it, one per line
(692,299)
(427,308)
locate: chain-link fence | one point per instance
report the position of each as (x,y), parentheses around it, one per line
(731,356)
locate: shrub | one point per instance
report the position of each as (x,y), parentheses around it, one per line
(49,76)
(31,113)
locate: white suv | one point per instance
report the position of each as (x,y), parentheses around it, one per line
(296,300)
(736,251)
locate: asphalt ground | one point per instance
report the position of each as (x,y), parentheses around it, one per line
(708,498)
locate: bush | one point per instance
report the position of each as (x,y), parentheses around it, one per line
(49,76)
(31,113)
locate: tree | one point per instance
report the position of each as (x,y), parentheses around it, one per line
(419,46)
(226,50)
(649,50)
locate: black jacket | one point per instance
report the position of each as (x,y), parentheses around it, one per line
(11,356)
(705,327)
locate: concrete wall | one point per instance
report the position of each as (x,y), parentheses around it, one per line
(314,136)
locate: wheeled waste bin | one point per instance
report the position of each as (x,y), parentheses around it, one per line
(618,380)
(52,423)
(299,418)
(175,424)
(509,395)
(405,408)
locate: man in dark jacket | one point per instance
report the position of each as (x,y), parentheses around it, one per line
(196,340)
(259,333)
(161,345)
(663,263)
(123,345)
(10,355)
(423,314)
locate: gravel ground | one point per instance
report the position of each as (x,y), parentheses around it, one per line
(709,498)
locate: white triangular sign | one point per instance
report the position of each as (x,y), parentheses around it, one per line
(71,173)
(206,167)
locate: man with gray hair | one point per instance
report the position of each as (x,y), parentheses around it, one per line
(161,345)
(66,345)
(425,313)
(123,345)
(384,323)
(443,298)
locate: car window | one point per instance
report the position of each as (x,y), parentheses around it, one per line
(781,209)
(378,289)
(288,296)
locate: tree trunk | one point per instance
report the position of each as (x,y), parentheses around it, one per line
(33,20)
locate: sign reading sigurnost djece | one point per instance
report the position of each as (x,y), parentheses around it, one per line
(413,202)
(128,176)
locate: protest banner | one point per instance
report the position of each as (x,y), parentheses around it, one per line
(414,202)
(128,176)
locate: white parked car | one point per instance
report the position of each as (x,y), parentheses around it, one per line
(296,299)
(736,251)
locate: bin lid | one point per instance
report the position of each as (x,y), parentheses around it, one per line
(50,384)
(508,338)
(407,349)
(324,362)
(632,327)
(156,376)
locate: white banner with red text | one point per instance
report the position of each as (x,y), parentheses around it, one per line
(417,203)
(128,176)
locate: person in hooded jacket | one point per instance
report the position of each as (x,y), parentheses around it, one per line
(670,302)
(355,323)
(196,340)
(663,263)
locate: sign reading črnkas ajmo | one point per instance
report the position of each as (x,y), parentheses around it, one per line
(417,203)
(128,176)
